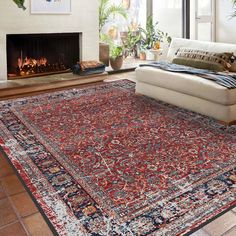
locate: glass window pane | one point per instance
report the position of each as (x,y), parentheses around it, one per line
(205,31)
(204,7)
(169,15)
(136,12)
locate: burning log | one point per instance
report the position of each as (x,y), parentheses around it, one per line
(30,66)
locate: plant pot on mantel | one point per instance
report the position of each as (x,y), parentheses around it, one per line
(104,53)
(116,63)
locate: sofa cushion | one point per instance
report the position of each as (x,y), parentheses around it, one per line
(187,84)
(204,59)
(200,64)
(177,43)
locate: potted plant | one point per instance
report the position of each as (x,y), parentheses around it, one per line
(142,52)
(130,43)
(151,37)
(142,55)
(116,57)
(106,11)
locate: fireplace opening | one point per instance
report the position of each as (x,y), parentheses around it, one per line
(32,55)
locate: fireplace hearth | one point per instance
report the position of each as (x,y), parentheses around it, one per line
(32,55)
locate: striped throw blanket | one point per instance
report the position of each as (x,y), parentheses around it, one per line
(221,78)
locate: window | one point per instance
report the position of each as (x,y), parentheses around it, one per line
(203,20)
(169,14)
(136,11)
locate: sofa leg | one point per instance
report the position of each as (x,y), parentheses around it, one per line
(227,123)
(138,94)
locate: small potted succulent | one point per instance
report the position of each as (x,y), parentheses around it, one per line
(116,57)
(142,51)
(151,37)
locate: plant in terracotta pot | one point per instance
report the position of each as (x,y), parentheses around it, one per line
(142,52)
(151,36)
(107,10)
(130,43)
(116,57)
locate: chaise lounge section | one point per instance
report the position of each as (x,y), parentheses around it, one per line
(190,91)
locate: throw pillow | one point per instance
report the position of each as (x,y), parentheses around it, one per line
(204,59)
(233,67)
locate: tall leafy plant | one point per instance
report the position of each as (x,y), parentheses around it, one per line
(152,34)
(20,4)
(107,10)
(130,43)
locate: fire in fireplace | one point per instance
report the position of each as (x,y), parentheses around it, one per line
(32,66)
(31,55)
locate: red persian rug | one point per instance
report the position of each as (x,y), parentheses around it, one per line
(103,161)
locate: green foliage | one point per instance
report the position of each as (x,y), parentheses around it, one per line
(20,4)
(106,39)
(143,48)
(106,10)
(116,51)
(131,42)
(234,6)
(152,34)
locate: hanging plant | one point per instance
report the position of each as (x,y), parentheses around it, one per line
(20,3)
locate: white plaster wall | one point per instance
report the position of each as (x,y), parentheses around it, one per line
(83,18)
(225,27)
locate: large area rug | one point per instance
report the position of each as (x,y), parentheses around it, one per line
(103,161)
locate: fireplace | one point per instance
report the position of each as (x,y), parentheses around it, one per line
(32,55)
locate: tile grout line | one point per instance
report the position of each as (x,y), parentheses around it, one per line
(18,216)
(234,212)
(208,234)
(228,231)
(9,224)
(7,175)
(8,196)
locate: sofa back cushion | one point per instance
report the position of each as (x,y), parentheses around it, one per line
(203,59)
(178,43)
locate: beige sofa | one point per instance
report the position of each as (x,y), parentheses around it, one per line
(190,91)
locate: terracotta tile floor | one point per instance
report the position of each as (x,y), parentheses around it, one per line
(19,215)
